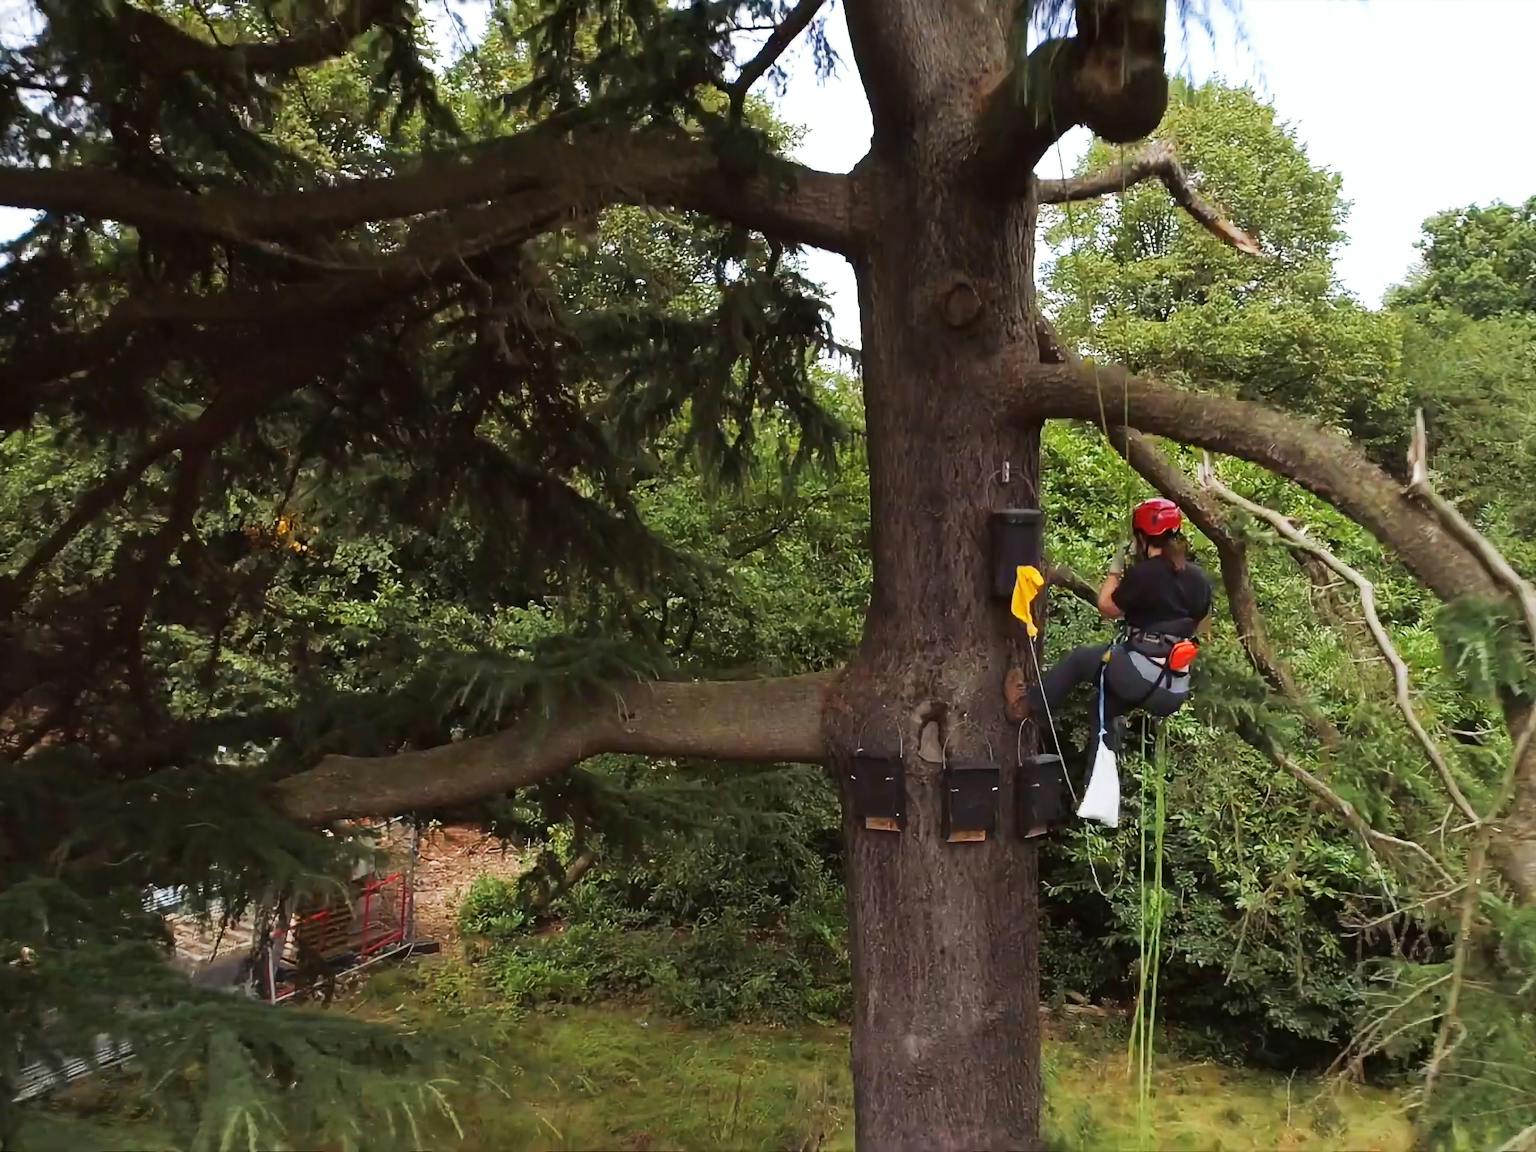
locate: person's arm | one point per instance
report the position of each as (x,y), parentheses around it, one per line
(1107,606)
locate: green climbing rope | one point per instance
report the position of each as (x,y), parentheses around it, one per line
(1141,1049)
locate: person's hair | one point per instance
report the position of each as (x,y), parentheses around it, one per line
(1174,548)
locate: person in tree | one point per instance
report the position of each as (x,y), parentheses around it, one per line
(1163,600)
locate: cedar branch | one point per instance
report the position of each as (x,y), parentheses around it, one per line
(540,172)
(1157,160)
(765,721)
(158,46)
(778,42)
(1296,538)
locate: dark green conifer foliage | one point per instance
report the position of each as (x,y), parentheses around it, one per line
(336,486)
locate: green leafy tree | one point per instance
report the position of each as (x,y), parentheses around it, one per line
(1480,262)
(387,303)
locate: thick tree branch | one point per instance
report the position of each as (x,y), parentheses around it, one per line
(1296,538)
(752,720)
(1321,461)
(537,175)
(158,46)
(1109,77)
(798,20)
(1157,160)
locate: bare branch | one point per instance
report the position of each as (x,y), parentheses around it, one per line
(1298,539)
(1352,817)
(1478,544)
(1157,160)
(778,42)
(1449,1022)
(537,175)
(766,721)
(1515,848)
(1322,461)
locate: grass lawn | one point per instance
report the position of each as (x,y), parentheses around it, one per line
(619,1077)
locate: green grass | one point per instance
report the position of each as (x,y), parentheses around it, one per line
(620,1077)
(612,1076)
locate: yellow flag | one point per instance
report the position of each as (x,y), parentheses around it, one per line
(1027,586)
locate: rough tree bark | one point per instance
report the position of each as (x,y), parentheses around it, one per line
(946,1033)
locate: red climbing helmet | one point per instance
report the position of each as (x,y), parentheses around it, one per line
(1157,517)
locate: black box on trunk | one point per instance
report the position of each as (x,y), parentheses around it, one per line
(1042,794)
(879,792)
(970,799)
(1016,538)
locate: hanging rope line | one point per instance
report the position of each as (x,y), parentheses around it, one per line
(1141,1047)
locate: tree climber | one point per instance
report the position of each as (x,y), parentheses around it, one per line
(1163,601)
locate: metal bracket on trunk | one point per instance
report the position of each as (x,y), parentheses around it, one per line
(1016,538)
(1042,795)
(970,800)
(879,791)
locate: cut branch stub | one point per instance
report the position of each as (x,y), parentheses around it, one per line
(1110,77)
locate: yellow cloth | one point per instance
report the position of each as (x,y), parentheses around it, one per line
(1026,587)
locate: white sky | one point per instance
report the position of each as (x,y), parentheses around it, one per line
(1419,104)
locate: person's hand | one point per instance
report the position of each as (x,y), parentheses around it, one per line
(1117,565)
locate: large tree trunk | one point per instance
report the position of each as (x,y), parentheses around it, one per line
(946,1044)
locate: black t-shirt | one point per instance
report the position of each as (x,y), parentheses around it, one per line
(1155,596)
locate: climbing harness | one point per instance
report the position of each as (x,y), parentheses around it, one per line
(1145,671)
(1149,670)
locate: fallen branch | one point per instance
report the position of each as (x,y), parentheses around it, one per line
(1156,161)
(1367,591)
(760,721)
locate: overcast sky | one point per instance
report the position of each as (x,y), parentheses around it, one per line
(1419,104)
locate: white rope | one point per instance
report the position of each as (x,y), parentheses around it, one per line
(1050,724)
